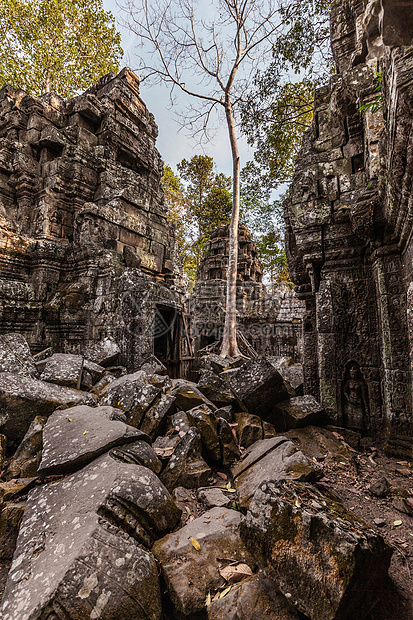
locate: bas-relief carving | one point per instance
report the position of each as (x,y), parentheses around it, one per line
(355,401)
(364,244)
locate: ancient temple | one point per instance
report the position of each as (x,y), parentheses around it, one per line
(349,222)
(86,250)
(271,324)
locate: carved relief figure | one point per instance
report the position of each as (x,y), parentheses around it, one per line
(39,223)
(56,223)
(87,230)
(355,399)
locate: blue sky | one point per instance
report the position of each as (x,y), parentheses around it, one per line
(173,143)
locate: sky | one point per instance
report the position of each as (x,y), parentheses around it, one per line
(174,143)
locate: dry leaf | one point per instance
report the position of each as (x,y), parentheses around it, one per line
(208,600)
(84,432)
(222,475)
(397,523)
(232,574)
(195,544)
(225,592)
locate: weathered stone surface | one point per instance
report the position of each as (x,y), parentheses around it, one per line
(95,370)
(225,412)
(26,459)
(298,412)
(155,417)
(269,460)
(215,389)
(295,377)
(84,565)
(331,563)
(15,355)
(23,398)
(321,444)
(16,487)
(10,518)
(258,386)
(164,447)
(253,599)
(64,369)
(139,453)
(348,227)
(3,447)
(186,466)
(133,394)
(151,365)
(380,488)
(213,497)
(103,353)
(187,396)
(205,421)
(230,451)
(249,428)
(197,573)
(178,423)
(74,437)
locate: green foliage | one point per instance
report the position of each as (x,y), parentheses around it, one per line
(60,45)
(196,208)
(279,107)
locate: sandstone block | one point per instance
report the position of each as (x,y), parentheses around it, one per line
(23,398)
(74,437)
(64,369)
(298,412)
(186,466)
(330,563)
(197,573)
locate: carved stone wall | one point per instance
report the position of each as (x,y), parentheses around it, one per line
(272,324)
(350,221)
(86,249)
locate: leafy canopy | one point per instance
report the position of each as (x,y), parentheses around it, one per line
(279,107)
(60,45)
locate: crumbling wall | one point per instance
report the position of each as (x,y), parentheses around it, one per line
(349,225)
(272,324)
(86,249)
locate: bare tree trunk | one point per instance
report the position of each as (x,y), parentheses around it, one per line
(229,339)
(48,84)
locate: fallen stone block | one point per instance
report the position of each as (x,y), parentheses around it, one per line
(269,460)
(295,377)
(197,572)
(23,398)
(186,467)
(164,447)
(78,546)
(205,421)
(178,423)
(230,451)
(187,396)
(151,365)
(215,389)
(298,412)
(15,356)
(155,417)
(249,428)
(212,497)
(138,453)
(133,394)
(254,599)
(10,518)
(74,437)
(258,387)
(95,370)
(64,369)
(331,564)
(26,459)
(104,352)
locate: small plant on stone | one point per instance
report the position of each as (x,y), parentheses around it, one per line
(377,103)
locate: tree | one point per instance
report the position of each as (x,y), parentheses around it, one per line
(60,45)
(196,208)
(211,60)
(279,107)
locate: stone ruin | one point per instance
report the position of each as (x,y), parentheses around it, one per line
(349,225)
(271,324)
(86,250)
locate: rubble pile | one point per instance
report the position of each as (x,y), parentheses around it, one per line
(134,495)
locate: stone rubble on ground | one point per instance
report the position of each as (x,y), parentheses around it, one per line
(145,469)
